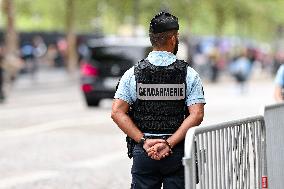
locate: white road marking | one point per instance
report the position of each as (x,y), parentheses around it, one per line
(27,178)
(39,128)
(93,163)
(98,162)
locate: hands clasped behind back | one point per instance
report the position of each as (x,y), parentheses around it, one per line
(157,149)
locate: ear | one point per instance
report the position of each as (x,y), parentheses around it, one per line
(173,40)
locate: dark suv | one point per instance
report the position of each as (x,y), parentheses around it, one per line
(108,59)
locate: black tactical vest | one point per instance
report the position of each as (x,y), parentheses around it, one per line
(161,93)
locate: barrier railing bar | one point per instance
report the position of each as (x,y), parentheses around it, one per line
(218,151)
(210,159)
(237,177)
(230,158)
(198,159)
(207,159)
(226,142)
(203,129)
(272,106)
(214,160)
(246,161)
(241,164)
(202,172)
(264,158)
(256,162)
(258,158)
(187,160)
(223,159)
(241,148)
(249,151)
(243,153)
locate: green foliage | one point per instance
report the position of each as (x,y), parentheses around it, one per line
(258,18)
(40,15)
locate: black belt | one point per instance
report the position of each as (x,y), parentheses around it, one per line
(165,137)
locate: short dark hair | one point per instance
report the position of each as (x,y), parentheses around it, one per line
(163,22)
(160,39)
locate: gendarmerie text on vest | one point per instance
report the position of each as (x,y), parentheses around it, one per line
(160,91)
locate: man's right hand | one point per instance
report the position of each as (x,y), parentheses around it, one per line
(151,142)
(157,149)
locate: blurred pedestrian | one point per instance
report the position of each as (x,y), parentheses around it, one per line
(51,55)
(83,50)
(213,59)
(200,64)
(62,47)
(27,55)
(156,102)
(279,84)
(39,50)
(241,70)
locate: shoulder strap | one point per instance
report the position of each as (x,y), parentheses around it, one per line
(181,64)
(142,64)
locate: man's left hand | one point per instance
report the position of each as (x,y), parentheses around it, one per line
(159,151)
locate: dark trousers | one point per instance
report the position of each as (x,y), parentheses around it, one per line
(151,174)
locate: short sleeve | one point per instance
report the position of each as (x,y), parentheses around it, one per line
(195,93)
(123,91)
(279,78)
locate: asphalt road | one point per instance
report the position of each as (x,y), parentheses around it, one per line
(49,139)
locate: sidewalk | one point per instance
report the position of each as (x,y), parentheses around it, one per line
(44,78)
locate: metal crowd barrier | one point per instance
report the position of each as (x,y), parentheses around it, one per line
(229,155)
(274,122)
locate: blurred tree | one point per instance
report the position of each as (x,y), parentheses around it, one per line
(89,15)
(11,61)
(187,11)
(220,10)
(150,8)
(11,44)
(40,15)
(254,17)
(136,14)
(72,57)
(242,14)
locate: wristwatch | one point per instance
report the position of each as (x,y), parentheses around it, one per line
(142,140)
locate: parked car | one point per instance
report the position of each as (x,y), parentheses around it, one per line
(108,59)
